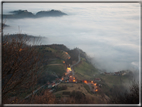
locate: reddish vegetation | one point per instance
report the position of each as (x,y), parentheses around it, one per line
(46,98)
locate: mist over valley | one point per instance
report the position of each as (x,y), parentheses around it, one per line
(71,53)
(108,33)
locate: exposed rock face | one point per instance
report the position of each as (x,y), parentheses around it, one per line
(26,14)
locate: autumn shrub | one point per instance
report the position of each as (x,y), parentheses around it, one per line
(131,97)
(45,98)
(20,66)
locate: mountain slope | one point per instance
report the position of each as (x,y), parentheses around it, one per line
(17,14)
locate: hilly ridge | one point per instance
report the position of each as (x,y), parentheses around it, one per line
(18,14)
(56,59)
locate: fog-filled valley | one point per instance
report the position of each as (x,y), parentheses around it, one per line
(71,53)
(108,33)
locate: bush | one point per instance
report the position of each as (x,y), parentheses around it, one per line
(46,98)
(20,65)
(131,97)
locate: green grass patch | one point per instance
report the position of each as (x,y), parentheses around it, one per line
(111,80)
(85,70)
(58,69)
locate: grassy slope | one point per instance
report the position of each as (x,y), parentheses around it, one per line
(58,69)
(59,56)
(113,80)
(109,81)
(47,69)
(77,87)
(85,70)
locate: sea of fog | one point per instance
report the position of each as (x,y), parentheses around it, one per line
(108,32)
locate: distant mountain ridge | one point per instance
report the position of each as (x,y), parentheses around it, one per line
(50,13)
(27,14)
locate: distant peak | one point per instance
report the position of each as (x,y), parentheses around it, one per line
(26,14)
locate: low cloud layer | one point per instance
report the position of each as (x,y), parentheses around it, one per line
(109,33)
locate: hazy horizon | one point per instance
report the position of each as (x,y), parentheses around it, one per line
(107,32)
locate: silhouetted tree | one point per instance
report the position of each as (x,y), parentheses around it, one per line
(20,66)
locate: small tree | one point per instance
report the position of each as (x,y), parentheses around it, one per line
(20,65)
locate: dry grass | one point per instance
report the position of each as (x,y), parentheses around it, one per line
(79,87)
(74,86)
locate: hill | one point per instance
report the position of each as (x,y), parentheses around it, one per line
(85,70)
(53,13)
(16,36)
(18,14)
(56,60)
